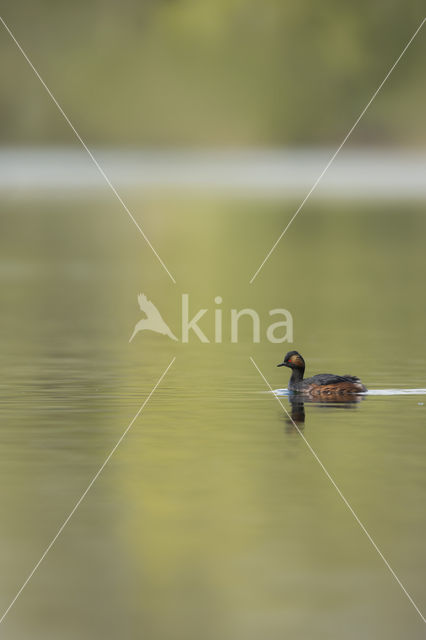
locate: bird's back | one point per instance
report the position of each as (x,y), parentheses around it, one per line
(329,384)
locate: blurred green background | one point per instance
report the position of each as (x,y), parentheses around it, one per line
(215,72)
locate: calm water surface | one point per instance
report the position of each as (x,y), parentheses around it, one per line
(212,520)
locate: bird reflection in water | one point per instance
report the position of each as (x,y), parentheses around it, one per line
(295,420)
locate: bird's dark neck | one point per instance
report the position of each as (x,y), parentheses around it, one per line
(296,377)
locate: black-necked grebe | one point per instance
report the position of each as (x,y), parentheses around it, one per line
(323,384)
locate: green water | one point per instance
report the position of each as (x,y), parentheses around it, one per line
(212,520)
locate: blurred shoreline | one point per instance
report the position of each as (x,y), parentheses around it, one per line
(360,173)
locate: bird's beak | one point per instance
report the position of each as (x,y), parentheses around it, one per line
(282,364)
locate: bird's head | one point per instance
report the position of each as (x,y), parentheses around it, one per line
(293,360)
